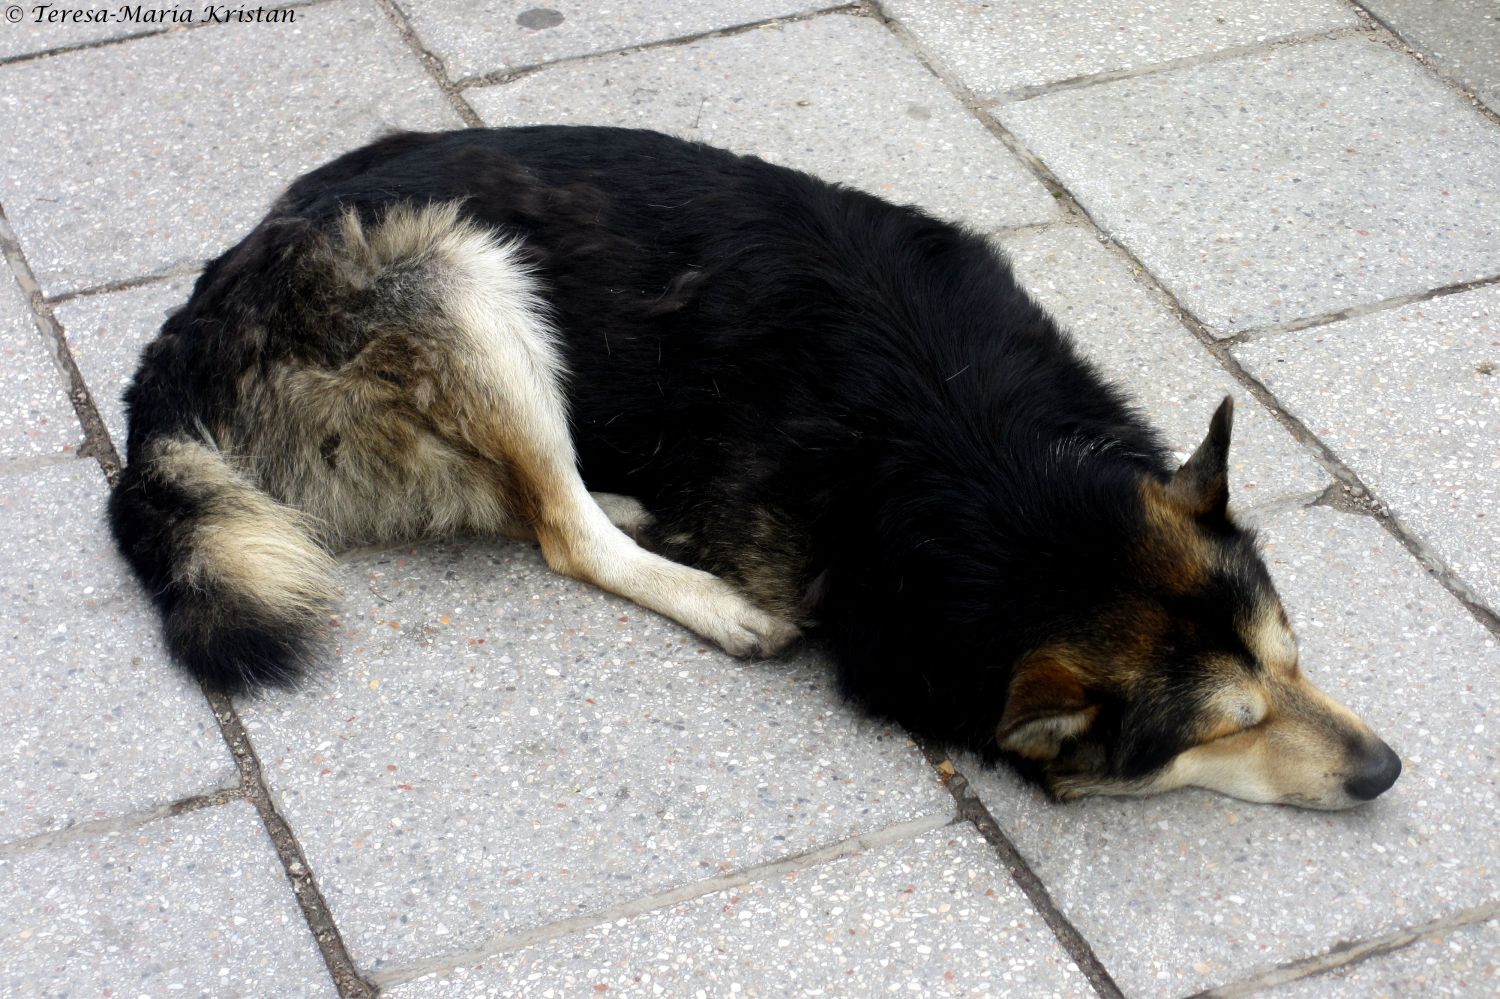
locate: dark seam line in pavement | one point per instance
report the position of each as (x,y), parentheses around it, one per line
(252,787)
(129,283)
(96,443)
(1353,952)
(430,62)
(1441,74)
(974,810)
(345,974)
(103,43)
(1016,95)
(97,828)
(1258,333)
(37,462)
(807,860)
(513,73)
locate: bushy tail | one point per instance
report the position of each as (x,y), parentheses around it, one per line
(243,586)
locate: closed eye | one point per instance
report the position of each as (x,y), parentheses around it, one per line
(1239,715)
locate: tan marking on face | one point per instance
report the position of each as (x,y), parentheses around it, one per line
(1269,638)
(1174,557)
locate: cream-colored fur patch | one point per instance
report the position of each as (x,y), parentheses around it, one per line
(244,540)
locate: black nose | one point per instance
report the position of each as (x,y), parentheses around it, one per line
(1377,772)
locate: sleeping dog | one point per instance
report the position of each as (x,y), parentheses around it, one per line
(749,400)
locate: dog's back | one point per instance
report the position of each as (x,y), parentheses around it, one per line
(757,356)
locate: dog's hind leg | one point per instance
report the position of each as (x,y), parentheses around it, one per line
(503,400)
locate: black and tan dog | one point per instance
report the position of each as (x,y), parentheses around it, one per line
(749,400)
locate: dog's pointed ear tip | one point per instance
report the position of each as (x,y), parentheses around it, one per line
(1223,418)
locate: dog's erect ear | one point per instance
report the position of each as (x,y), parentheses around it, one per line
(1046,706)
(1201,485)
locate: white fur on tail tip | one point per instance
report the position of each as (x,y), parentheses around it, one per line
(244,541)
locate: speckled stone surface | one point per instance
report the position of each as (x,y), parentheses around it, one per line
(195,905)
(107,332)
(1004,45)
(497,748)
(1139,344)
(36,417)
(1189,890)
(204,128)
(477,38)
(95,722)
(1410,399)
(837,96)
(1286,184)
(1461,37)
(34,33)
(934,916)
(1461,964)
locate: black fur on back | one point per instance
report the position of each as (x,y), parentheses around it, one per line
(827,398)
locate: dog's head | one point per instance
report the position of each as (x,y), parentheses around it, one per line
(1189,676)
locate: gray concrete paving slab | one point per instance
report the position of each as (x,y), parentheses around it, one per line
(1191,890)
(205,127)
(1291,183)
(1461,37)
(36,417)
(195,904)
(496,748)
(837,96)
(95,723)
(1410,399)
(45,27)
(1005,45)
(1462,964)
(106,333)
(1139,344)
(473,39)
(933,916)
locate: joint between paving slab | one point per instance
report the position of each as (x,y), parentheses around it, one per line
(1388,33)
(511,74)
(1350,953)
(1258,333)
(974,811)
(430,62)
(96,442)
(33,463)
(126,284)
(103,43)
(95,828)
(504,943)
(1015,95)
(1065,201)
(330,941)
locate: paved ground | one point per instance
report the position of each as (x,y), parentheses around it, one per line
(510,784)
